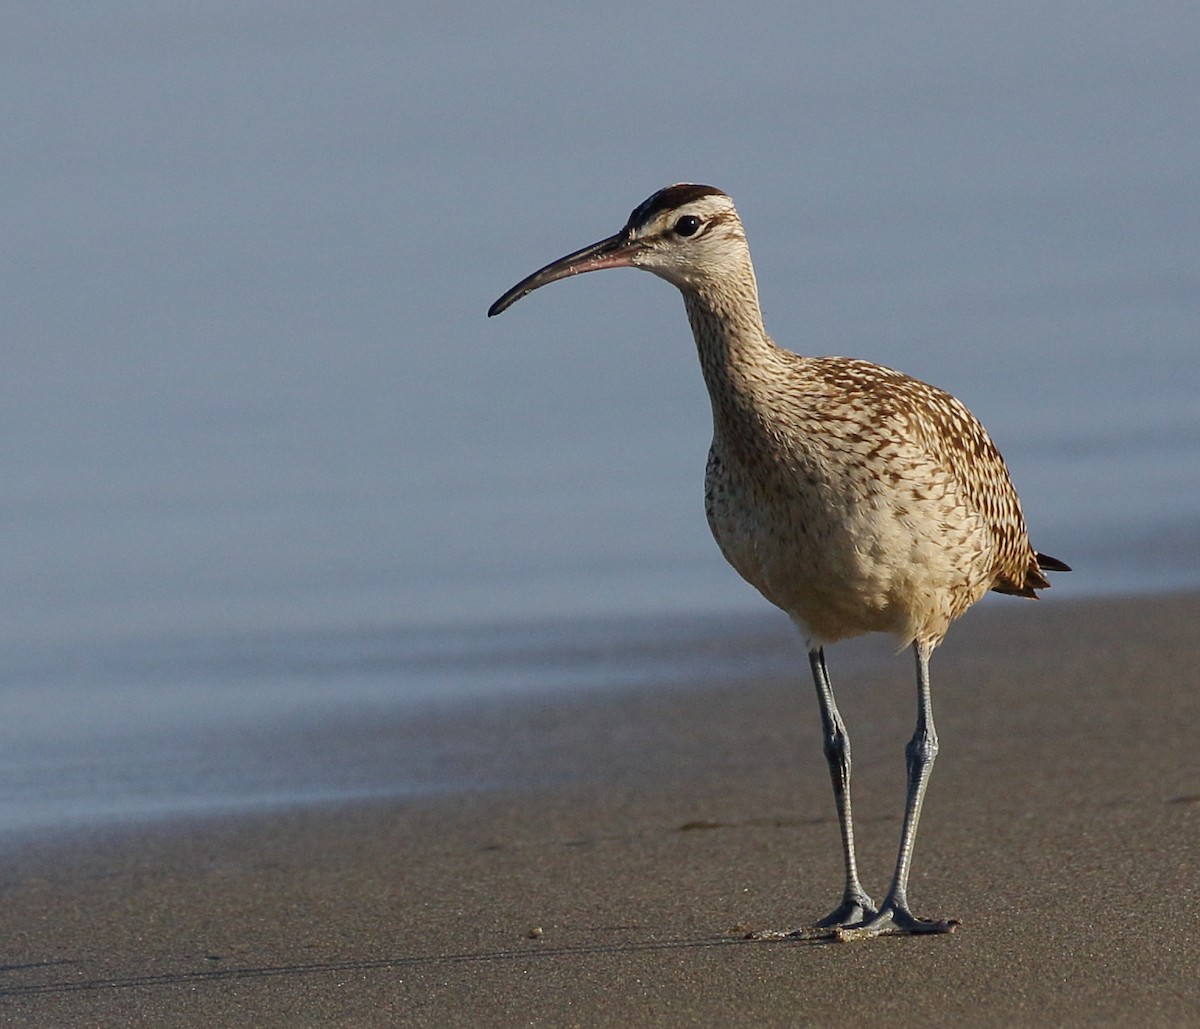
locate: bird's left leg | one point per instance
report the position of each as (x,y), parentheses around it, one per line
(894,916)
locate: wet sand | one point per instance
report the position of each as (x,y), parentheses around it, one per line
(633,838)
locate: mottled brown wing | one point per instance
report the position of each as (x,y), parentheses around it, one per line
(958,440)
(944,427)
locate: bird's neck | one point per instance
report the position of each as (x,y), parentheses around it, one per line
(737,356)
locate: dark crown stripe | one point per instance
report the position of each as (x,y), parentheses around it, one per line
(671,197)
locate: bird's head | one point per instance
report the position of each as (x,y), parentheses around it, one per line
(687,234)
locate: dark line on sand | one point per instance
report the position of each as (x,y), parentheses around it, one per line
(268,971)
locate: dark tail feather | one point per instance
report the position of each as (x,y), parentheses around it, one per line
(1051,564)
(1034,579)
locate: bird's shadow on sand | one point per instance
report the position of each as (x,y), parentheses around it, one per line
(536,951)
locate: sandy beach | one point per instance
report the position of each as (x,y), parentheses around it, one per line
(633,838)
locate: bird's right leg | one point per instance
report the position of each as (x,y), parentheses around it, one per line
(856,905)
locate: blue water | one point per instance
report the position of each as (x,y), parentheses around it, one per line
(265,461)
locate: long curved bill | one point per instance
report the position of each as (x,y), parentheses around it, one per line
(615,252)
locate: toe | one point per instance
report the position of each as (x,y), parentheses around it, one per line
(849,912)
(895,921)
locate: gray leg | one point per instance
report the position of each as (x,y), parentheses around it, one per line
(894,915)
(856,905)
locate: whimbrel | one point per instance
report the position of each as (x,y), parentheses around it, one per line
(853,497)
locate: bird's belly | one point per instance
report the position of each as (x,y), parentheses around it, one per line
(841,565)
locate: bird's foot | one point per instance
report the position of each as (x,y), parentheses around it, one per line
(856,909)
(893,920)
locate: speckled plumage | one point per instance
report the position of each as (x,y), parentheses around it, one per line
(852,496)
(858,499)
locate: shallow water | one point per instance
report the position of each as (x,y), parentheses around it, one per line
(264,453)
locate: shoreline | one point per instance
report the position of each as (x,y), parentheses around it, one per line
(618,845)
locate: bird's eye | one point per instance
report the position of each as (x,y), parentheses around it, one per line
(687,225)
